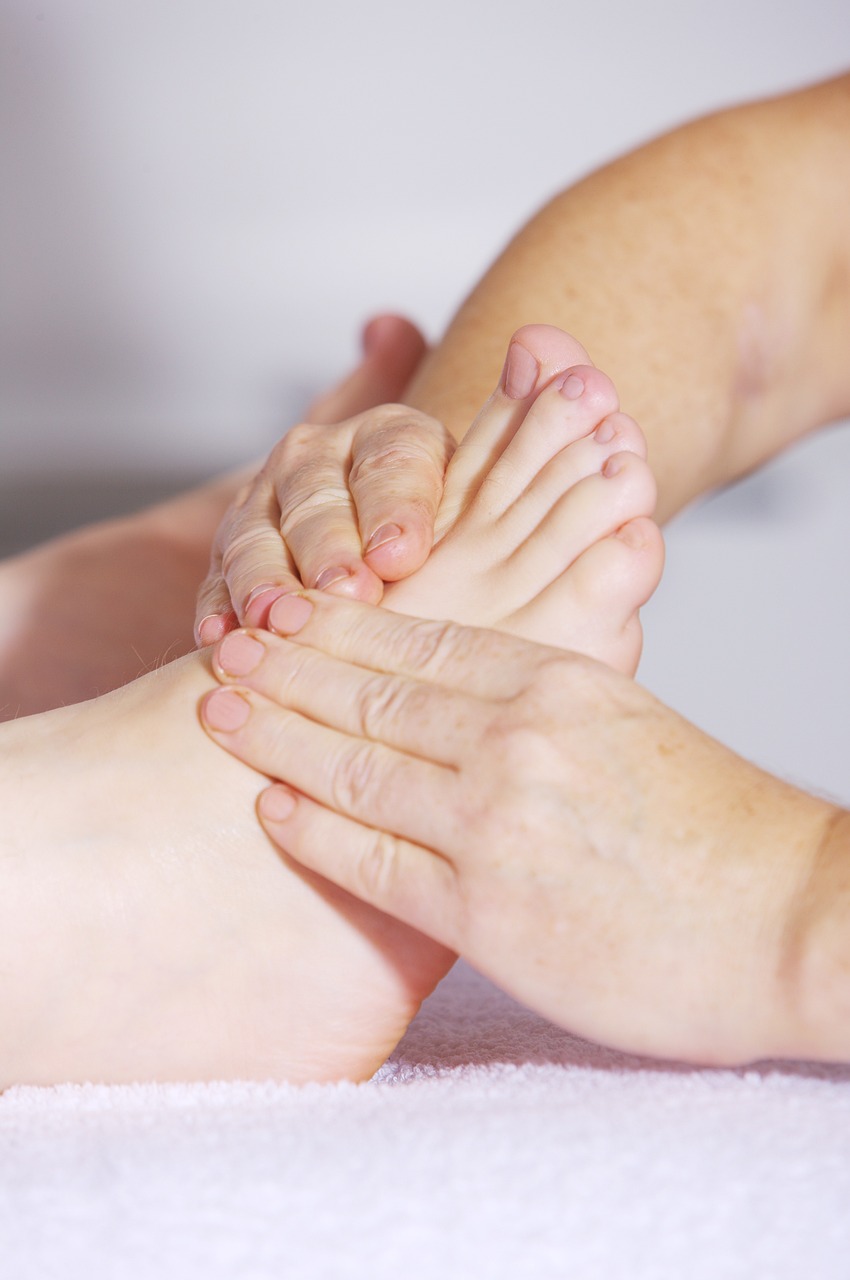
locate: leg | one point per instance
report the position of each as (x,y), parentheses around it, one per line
(182,944)
(709,275)
(87,612)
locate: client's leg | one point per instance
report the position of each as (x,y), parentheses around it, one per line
(149,930)
(708,273)
(86,612)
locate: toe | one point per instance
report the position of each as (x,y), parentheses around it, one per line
(593,607)
(537,356)
(592,509)
(569,410)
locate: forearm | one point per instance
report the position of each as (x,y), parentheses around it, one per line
(708,273)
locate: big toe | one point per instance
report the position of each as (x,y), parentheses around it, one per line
(537,355)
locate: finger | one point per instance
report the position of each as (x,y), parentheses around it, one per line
(255,563)
(396,480)
(484,663)
(213,615)
(318,519)
(392,351)
(362,780)
(397,876)
(398,711)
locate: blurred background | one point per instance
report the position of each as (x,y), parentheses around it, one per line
(202,200)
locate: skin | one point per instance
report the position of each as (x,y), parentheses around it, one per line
(149,929)
(710,273)
(87,612)
(589,850)
(745,208)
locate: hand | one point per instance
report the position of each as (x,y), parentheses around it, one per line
(593,853)
(344,507)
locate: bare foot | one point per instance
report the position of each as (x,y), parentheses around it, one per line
(87,612)
(182,944)
(149,930)
(544,529)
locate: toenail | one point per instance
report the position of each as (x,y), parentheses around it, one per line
(613,466)
(226,711)
(572,386)
(289,614)
(276,804)
(386,533)
(519,377)
(329,576)
(238,654)
(259,602)
(604,432)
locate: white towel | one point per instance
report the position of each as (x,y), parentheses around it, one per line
(492,1145)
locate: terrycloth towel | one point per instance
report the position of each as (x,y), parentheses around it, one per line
(491,1145)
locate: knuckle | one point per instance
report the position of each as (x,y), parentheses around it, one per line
(298,439)
(312,494)
(354,779)
(381,701)
(393,457)
(377,868)
(429,646)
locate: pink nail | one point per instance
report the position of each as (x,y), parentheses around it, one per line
(519,377)
(604,432)
(239,654)
(210,628)
(386,533)
(289,614)
(613,466)
(329,576)
(277,804)
(572,386)
(226,711)
(258,604)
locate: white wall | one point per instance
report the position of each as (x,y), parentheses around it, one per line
(202,199)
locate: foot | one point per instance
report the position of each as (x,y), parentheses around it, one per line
(184,945)
(544,529)
(89,611)
(149,930)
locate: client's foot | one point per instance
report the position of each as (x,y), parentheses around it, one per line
(544,527)
(148,928)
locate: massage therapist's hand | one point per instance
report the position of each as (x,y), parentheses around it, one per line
(344,502)
(594,854)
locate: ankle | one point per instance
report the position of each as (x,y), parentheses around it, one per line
(819,965)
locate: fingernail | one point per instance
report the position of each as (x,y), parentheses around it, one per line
(210,629)
(226,711)
(604,432)
(289,614)
(520,373)
(572,386)
(277,804)
(386,533)
(258,604)
(329,576)
(238,654)
(613,466)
